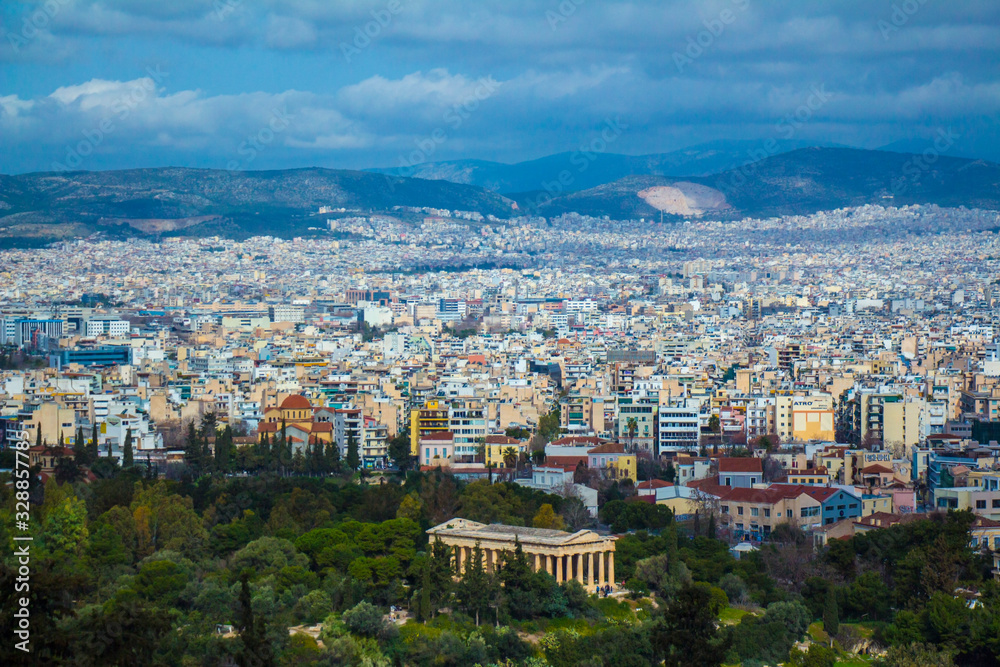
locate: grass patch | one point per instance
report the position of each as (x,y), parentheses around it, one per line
(817,633)
(732,615)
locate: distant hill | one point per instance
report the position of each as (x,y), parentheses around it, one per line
(589,169)
(53,205)
(799,182)
(42,207)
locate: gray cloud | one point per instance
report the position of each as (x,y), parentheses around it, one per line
(562,73)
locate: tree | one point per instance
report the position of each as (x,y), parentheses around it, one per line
(399,451)
(332,456)
(713,424)
(686,633)
(256,649)
(94,453)
(353,457)
(192,448)
(127,461)
(474,590)
(831,613)
(509,457)
(81,454)
(633,427)
(547,518)
(364,619)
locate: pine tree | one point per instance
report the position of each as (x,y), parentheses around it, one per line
(318,461)
(127,455)
(353,458)
(831,614)
(711,526)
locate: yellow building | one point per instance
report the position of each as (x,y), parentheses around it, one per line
(613,461)
(432,418)
(497,447)
(870,504)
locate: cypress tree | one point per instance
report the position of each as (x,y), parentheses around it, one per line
(94,453)
(353,458)
(711,526)
(332,456)
(831,614)
(192,448)
(81,454)
(127,455)
(256,650)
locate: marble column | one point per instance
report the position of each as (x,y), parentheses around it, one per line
(591,575)
(601,581)
(579,567)
(549,564)
(611,567)
(458,559)
(559,569)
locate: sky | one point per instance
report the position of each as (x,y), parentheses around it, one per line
(267,84)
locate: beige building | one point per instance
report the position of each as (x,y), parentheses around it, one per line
(54,421)
(804,418)
(584,555)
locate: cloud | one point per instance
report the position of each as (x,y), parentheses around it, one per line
(238,63)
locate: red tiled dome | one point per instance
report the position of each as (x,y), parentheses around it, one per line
(296,402)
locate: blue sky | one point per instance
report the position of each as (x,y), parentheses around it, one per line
(287,83)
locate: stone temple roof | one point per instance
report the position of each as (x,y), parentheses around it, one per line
(459,527)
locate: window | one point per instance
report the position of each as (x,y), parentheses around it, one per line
(767,512)
(810,511)
(980,504)
(739,510)
(729,481)
(725,509)
(789,514)
(996,503)
(754,511)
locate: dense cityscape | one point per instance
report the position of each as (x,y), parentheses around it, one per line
(712,415)
(548,333)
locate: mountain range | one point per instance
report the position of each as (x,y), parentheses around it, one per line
(42,207)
